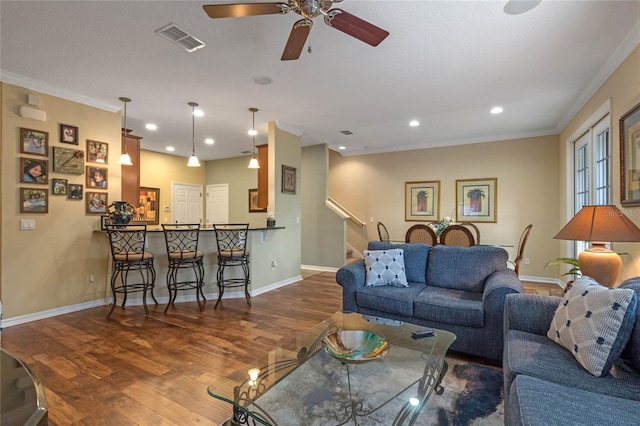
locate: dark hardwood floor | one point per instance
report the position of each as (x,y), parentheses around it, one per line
(154,370)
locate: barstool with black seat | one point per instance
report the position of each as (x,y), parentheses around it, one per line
(183,253)
(232,251)
(129,256)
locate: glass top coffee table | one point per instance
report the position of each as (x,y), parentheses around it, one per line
(299,382)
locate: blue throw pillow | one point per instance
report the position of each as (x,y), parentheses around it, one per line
(385,267)
(594,323)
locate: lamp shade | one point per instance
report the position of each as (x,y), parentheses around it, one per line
(600,223)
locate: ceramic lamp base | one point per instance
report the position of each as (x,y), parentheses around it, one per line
(601,264)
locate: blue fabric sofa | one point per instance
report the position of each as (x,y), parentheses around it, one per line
(458,289)
(545,385)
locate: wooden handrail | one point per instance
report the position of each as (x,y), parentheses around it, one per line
(343,212)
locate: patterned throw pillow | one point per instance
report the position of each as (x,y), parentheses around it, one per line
(385,267)
(594,323)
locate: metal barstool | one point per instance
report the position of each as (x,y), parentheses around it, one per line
(183,253)
(128,254)
(232,251)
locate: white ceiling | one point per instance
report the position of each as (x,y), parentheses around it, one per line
(445,63)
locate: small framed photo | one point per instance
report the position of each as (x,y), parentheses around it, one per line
(34,200)
(34,170)
(288,179)
(105,220)
(96,202)
(74,191)
(59,186)
(253,202)
(422,201)
(477,200)
(34,142)
(97,152)
(68,134)
(630,157)
(97,177)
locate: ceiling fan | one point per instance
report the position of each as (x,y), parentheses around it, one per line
(308,9)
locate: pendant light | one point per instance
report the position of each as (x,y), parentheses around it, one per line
(253,164)
(193,160)
(125,159)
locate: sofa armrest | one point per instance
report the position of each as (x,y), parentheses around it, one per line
(530,313)
(501,280)
(351,277)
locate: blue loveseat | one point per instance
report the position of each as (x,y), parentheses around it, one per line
(545,385)
(458,289)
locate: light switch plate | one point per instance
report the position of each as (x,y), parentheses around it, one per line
(27,224)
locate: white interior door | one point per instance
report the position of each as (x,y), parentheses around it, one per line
(187,203)
(217,204)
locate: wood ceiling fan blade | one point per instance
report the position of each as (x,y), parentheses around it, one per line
(297,39)
(239,10)
(356,27)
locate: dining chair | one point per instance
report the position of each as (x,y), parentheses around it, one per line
(421,234)
(475,230)
(383,233)
(133,269)
(520,255)
(457,235)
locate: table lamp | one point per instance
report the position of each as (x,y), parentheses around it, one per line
(598,225)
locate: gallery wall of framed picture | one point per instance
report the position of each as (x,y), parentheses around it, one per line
(64,170)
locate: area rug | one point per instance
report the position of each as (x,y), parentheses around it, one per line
(472,395)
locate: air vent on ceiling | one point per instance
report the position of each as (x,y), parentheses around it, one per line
(245,152)
(346,132)
(180,37)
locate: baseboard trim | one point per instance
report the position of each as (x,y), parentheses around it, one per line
(532,279)
(237,294)
(319,268)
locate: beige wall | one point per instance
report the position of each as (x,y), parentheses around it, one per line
(48,267)
(622,92)
(372,187)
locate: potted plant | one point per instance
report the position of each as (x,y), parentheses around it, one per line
(574,270)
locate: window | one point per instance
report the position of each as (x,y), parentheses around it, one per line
(592,170)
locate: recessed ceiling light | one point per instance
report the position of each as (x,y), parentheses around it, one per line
(198,113)
(209,141)
(151,126)
(342,147)
(170,148)
(414,123)
(262,80)
(496,110)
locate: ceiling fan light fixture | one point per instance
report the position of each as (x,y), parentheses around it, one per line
(125,158)
(193,160)
(253,163)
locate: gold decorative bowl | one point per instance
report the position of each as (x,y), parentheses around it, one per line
(355,345)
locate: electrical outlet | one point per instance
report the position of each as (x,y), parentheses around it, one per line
(91,278)
(527,261)
(273,264)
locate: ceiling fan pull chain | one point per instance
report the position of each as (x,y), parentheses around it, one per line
(309,49)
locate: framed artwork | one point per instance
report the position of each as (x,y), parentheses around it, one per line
(422,201)
(59,186)
(68,160)
(96,202)
(253,202)
(105,220)
(68,134)
(97,177)
(74,191)
(34,200)
(35,142)
(288,179)
(476,200)
(97,152)
(147,208)
(34,170)
(630,157)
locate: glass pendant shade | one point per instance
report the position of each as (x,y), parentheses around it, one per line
(193,161)
(253,163)
(125,159)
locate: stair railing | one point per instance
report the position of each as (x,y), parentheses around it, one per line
(343,212)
